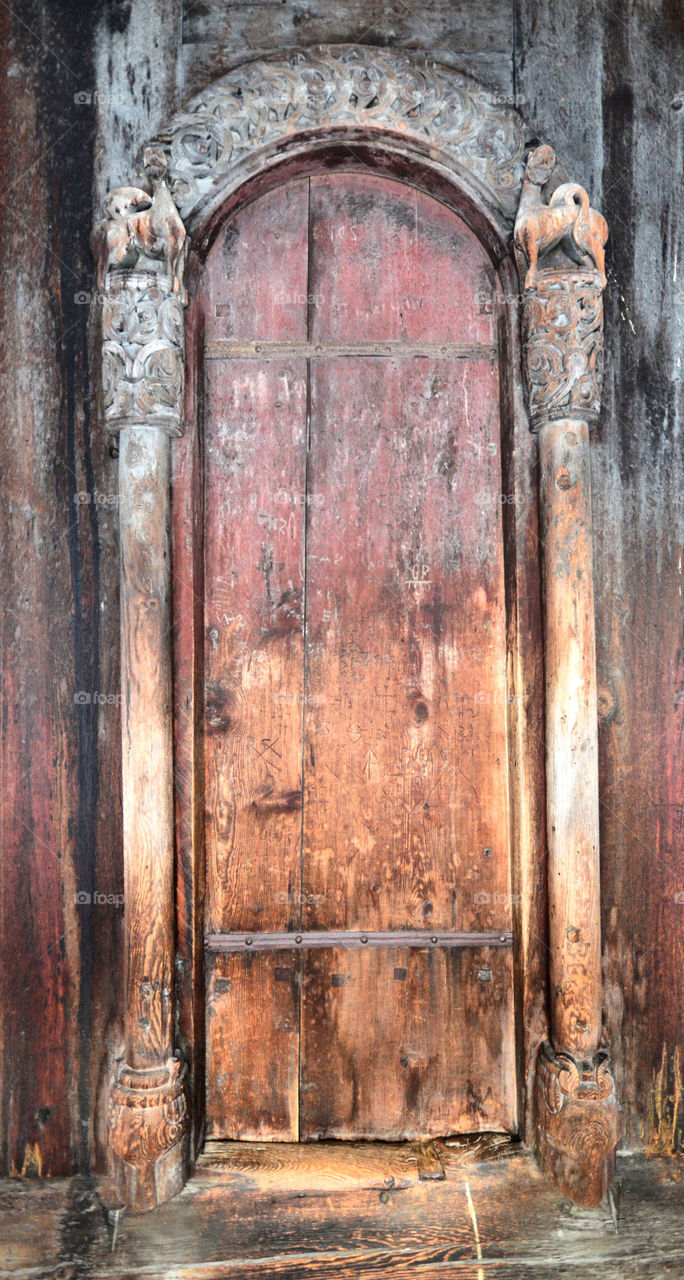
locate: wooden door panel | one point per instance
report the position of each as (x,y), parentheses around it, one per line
(403,1043)
(253,1046)
(255,282)
(405,721)
(255,468)
(390,263)
(355,693)
(254,643)
(253,734)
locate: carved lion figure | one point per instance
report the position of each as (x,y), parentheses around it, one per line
(567,220)
(137,223)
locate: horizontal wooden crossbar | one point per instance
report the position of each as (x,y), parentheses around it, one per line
(222,350)
(223,942)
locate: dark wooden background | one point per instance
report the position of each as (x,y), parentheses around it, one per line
(83,85)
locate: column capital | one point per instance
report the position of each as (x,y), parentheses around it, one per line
(141,249)
(559,247)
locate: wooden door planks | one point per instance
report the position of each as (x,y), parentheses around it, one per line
(406,801)
(382,620)
(255,446)
(406,1044)
(405,812)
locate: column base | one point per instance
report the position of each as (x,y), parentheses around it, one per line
(578,1123)
(149,1139)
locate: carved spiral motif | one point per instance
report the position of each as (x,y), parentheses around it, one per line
(143,354)
(563,333)
(563,1077)
(255,106)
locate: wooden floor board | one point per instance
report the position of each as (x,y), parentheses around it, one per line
(215,1230)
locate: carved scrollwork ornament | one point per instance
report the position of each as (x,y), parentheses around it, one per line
(257,107)
(563,346)
(143,353)
(559,247)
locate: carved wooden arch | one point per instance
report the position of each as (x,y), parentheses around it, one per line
(231,137)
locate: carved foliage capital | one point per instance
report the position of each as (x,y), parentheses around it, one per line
(141,248)
(563,345)
(559,247)
(143,353)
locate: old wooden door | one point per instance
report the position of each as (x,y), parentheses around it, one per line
(355,700)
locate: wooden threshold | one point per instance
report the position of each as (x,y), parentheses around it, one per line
(313,1168)
(490,1217)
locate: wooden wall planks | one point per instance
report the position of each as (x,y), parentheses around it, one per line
(611,105)
(217,37)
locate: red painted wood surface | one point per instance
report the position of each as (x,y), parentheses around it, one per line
(356,757)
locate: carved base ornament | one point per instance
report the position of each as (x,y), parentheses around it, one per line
(149,1134)
(238,128)
(578,1123)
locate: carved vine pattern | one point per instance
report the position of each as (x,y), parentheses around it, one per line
(305,91)
(563,336)
(143,353)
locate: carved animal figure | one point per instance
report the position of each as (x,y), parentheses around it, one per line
(137,223)
(567,219)
(589,231)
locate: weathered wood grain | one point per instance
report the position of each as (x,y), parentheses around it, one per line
(599,83)
(255,481)
(317,1168)
(58,751)
(187,603)
(215,1230)
(604,88)
(217,37)
(396,587)
(406,1044)
(572,738)
(252,1086)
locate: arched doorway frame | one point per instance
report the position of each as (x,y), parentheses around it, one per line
(346,106)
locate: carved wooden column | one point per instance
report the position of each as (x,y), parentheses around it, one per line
(141,251)
(559,247)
